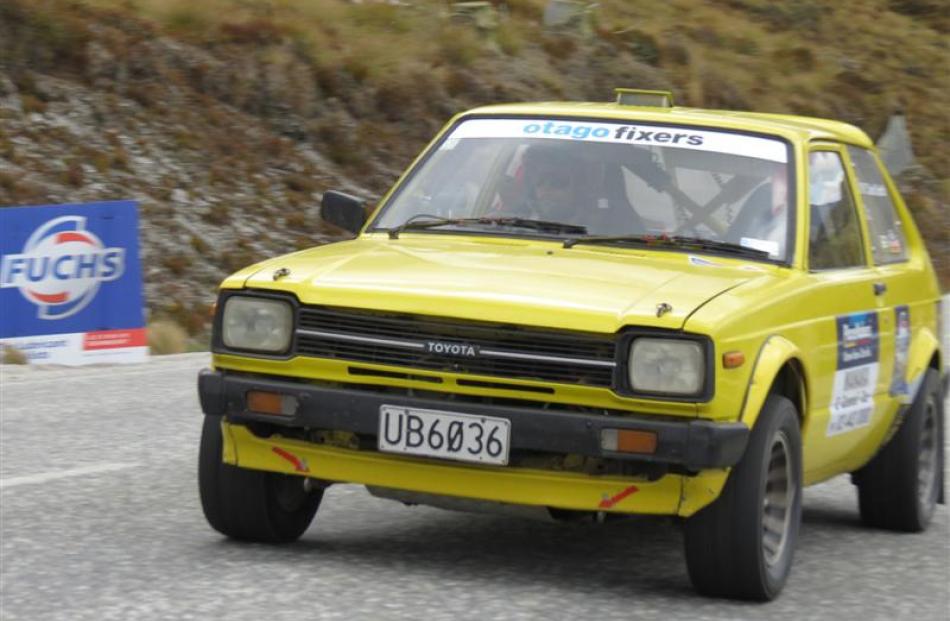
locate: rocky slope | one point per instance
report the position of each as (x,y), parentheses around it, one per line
(228,119)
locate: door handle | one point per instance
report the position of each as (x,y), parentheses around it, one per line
(880,288)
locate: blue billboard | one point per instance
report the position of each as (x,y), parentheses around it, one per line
(72,271)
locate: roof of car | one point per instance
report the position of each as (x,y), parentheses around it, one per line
(802,127)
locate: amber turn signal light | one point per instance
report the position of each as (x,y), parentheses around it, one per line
(628,441)
(271,403)
(732,359)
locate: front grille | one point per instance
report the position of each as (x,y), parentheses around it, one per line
(504,350)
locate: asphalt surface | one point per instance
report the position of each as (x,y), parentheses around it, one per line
(100,519)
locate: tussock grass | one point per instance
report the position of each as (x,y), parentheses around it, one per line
(370,82)
(166,337)
(12,355)
(855,60)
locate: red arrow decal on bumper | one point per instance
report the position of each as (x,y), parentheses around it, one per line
(608,503)
(299,465)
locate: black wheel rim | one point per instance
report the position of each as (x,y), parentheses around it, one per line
(927,458)
(777,500)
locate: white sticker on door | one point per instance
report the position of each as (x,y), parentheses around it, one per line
(901,346)
(852,398)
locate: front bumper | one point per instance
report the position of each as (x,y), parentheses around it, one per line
(669,495)
(693,445)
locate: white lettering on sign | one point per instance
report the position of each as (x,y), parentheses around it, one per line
(60,271)
(640,134)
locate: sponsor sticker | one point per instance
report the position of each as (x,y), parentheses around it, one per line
(694,260)
(692,138)
(852,397)
(872,189)
(765,245)
(77,348)
(901,347)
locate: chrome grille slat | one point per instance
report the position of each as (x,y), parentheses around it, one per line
(511,336)
(508,351)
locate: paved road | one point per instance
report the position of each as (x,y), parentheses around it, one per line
(100,519)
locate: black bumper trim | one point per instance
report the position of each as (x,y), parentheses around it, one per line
(694,444)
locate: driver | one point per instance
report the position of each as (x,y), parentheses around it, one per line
(552,180)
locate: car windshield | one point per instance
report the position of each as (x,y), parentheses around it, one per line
(608,179)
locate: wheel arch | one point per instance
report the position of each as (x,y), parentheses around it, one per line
(790,383)
(924,354)
(778,370)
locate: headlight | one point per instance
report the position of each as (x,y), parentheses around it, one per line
(668,366)
(258,324)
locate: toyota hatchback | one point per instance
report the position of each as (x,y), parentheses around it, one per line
(591,309)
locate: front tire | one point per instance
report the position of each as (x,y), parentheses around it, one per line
(741,546)
(898,489)
(251,505)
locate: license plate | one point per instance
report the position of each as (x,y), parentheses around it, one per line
(448,435)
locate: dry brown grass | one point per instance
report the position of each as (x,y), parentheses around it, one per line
(176,264)
(199,245)
(74,175)
(166,337)
(12,355)
(218,213)
(32,104)
(776,57)
(344,67)
(194,319)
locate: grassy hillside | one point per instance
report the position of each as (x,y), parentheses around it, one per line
(228,118)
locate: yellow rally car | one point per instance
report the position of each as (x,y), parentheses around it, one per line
(595,309)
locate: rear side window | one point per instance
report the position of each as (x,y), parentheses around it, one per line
(834,234)
(888,243)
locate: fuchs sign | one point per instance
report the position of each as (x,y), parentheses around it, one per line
(70,283)
(61,267)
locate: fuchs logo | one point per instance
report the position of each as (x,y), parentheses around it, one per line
(452,349)
(61,267)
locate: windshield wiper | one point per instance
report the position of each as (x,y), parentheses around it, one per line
(544,226)
(672,241)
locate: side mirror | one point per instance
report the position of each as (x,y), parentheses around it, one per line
(343,210)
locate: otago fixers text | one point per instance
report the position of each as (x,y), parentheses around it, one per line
(620,133)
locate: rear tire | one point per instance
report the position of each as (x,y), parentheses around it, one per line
(251,505)
(898,489)
(741,546)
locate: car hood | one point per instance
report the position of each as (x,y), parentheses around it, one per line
(531,282)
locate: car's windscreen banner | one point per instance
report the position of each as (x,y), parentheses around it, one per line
(693,138)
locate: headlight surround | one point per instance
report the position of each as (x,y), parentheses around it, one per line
(667,366)
(257,324)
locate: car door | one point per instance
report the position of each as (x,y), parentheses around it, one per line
(844,319)
(902,284)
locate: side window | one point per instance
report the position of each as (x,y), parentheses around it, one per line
(835,234)
(888,244)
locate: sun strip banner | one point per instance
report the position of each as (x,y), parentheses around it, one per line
(634,134)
